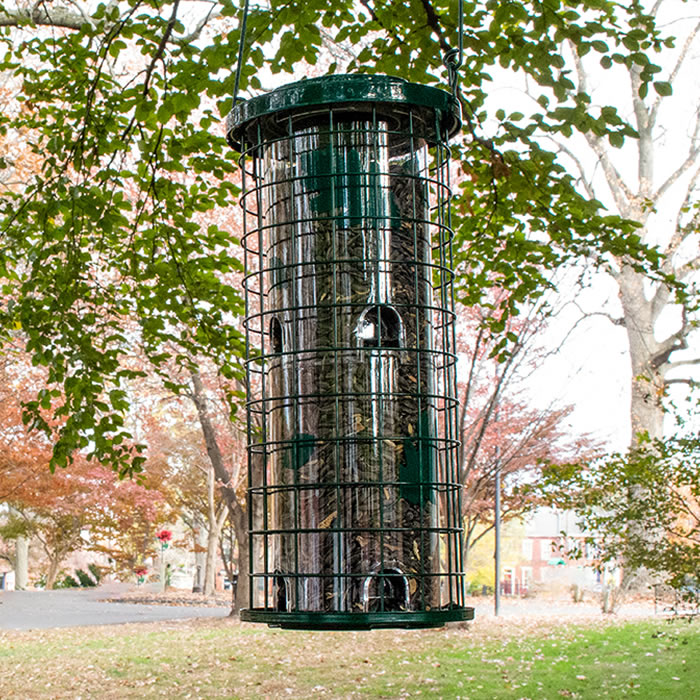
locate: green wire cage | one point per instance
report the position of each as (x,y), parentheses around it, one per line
(354,496)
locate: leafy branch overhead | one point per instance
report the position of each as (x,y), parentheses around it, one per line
(112,241)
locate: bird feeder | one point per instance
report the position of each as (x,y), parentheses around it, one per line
(354,496)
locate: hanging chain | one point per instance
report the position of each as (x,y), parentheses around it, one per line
(241,47)
(455,57)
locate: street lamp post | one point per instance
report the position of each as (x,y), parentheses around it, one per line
(497,536)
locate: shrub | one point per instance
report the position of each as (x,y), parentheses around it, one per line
(95,571)
(85,580)
(66,582)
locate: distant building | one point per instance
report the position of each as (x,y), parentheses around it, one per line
(545,559)
(537,557)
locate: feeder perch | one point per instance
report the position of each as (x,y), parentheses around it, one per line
(354,497)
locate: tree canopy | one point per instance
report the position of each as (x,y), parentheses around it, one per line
(110,238)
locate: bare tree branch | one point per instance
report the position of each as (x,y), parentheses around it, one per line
(687,382)
(683,363)
(585,315)
(433,20)
(42,15)
(388,29)
(676,341)
(663,292)
(684,270)
(211,15)
(676,69)
(86,18)
(621,193)
(481,423)
(689,162)
(587,185)
(645,162)
(161,47)
(655,9)
(467,391)
(619,189)
(683,230)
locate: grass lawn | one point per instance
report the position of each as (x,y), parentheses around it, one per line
(225,659)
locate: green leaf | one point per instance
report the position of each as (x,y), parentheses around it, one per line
(663,88)
(616,139)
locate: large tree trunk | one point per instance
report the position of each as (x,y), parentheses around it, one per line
(646,359)
(52,573)
(237,511)
(216,523)
(21,563)
(239,518)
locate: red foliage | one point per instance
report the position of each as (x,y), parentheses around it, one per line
(500,427)
(62,507)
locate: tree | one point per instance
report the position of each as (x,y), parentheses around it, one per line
(661,195)
(120,104)
(124,515)
(230,480)
(500,429)
(87,507)
(100,237)
(32,507)
(194,432)
(667,501)
(192,486)
(651,179)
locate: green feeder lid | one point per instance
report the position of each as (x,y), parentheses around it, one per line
(353,93)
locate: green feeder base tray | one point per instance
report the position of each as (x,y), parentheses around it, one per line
(356,621)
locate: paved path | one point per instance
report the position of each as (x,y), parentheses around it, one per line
(26,610)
